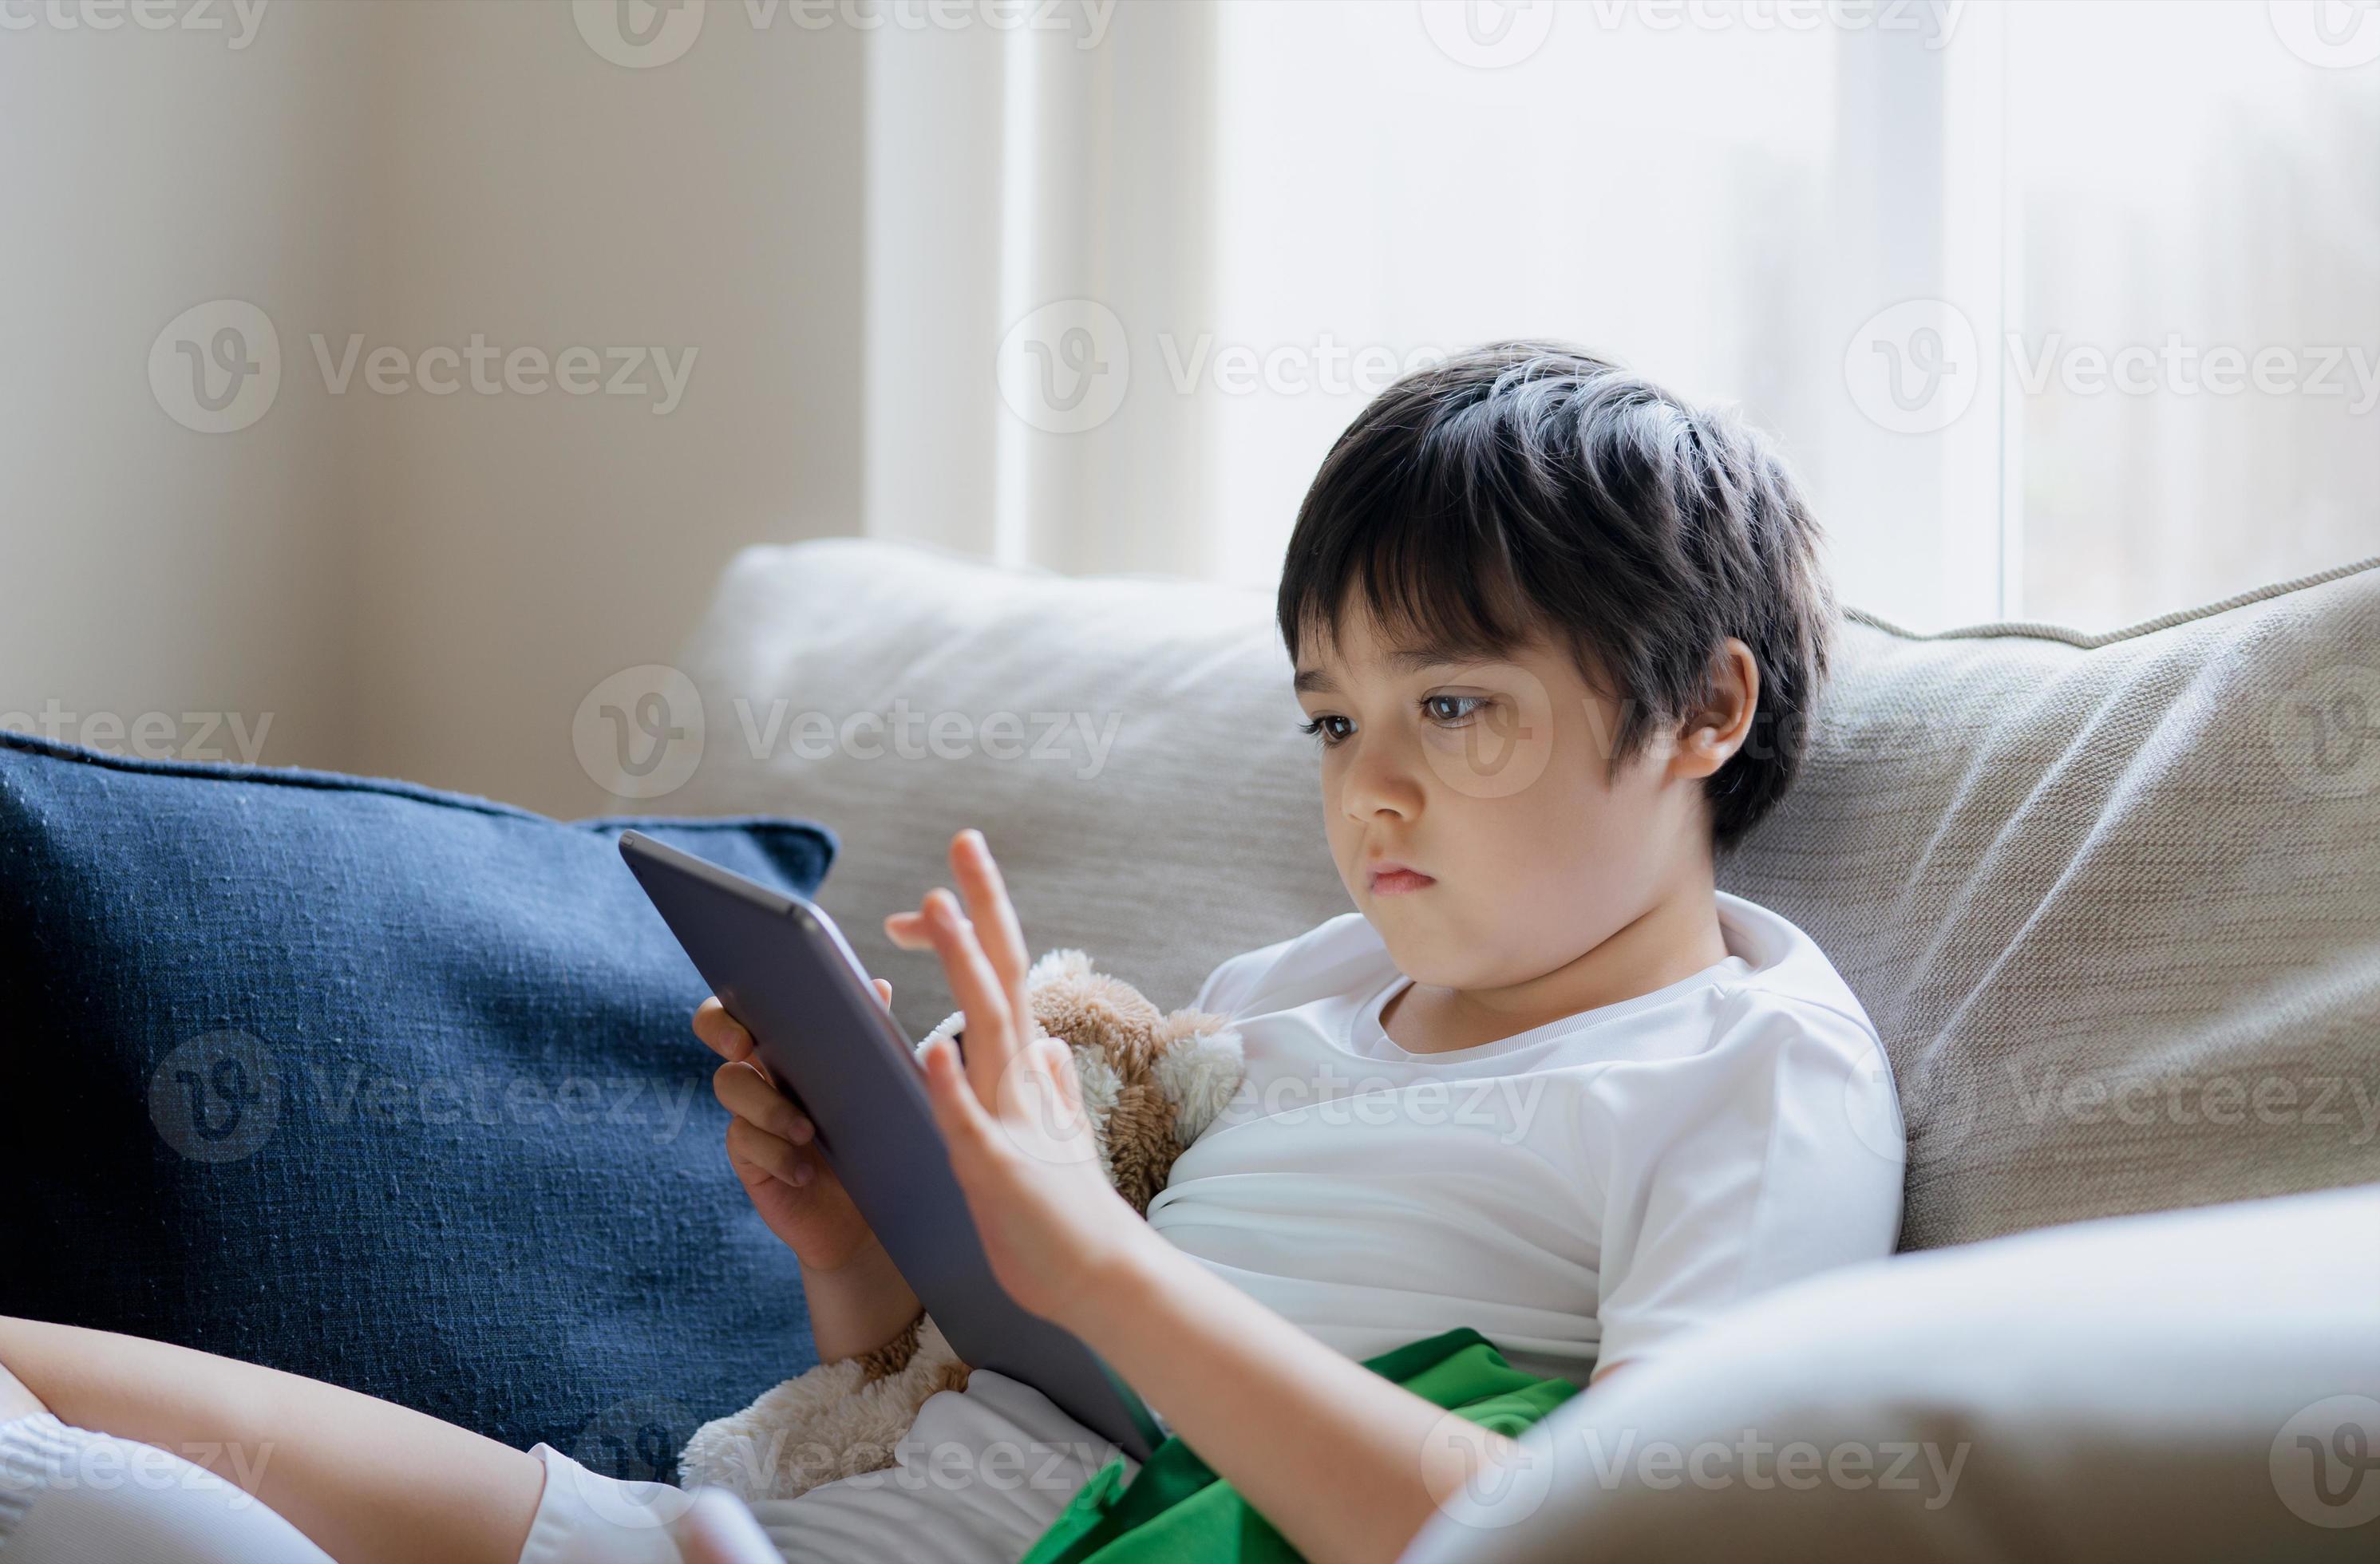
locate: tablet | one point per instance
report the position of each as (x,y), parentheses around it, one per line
(783,970)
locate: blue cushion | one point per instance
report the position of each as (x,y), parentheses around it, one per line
(387,1086)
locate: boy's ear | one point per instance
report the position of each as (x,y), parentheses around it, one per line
(1715,729)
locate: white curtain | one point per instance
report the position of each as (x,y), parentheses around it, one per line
(1123,293)
(1040,210)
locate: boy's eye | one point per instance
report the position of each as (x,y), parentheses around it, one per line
(1446,710)
(1464,705)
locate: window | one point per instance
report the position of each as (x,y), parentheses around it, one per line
(1800,209)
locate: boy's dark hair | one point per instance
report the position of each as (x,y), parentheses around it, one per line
(1527,488)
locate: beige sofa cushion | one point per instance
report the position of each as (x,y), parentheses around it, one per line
(2191,1387)
(2113,903)
(2110,902)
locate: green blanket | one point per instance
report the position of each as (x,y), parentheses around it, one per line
(1177,1511)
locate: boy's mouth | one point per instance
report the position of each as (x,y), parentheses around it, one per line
(1396,879)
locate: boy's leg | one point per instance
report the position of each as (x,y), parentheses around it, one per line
(70,1495)
(367,1481)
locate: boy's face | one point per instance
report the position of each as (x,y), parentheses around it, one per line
(1492,779)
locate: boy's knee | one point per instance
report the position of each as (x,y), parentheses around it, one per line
(17,1401)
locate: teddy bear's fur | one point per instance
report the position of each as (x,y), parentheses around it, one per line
(1150,1083)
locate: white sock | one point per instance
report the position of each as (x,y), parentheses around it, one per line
(70,1495)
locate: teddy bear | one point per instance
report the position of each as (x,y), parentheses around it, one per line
(1151,1084)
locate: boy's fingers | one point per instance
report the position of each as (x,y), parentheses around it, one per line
(885,992)
(956,1112)
(907,931)
(987,905)
(749,1146)
(747,1094)
(721,1031)
(991,1036)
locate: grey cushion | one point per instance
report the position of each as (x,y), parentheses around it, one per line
(2108,900)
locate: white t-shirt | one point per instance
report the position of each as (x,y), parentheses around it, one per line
(1589,1189)
(1600,1183)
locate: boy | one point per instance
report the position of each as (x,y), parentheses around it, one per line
(1557,635)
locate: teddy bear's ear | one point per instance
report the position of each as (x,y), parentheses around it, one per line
(1064,962)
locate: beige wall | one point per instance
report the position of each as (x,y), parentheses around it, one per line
(413,584)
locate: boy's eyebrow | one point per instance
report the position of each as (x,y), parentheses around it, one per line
(1406,660)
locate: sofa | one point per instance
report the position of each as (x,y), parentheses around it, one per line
(2109,900)
(2113,903)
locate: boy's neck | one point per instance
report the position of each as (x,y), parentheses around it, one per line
(1671,941)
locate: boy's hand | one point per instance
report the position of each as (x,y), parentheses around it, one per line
(1012,1112)
(769,1146)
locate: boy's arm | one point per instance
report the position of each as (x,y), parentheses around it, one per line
(858,1306)
(1344,1464)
